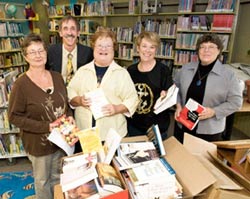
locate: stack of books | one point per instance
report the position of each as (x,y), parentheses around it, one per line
(145,171)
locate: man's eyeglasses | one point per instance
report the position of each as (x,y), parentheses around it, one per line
(34,53)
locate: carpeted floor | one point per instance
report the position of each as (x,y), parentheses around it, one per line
(17,185)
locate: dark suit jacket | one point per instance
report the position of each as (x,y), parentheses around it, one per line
(54,60)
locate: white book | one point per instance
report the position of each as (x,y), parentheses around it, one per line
(98,100)
(168,101)
(111,144)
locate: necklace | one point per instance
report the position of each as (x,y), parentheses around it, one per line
(198,82)
(146,68)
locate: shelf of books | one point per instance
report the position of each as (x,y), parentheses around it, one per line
(13,28)
(11,145)
(212,16)
(10,142)
(179,23)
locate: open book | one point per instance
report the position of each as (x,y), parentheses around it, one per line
(189,115)
(166,102)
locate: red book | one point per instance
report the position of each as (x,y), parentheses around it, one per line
(189,114)
(223,22)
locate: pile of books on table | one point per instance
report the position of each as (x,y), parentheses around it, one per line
(146,173)
(89,174)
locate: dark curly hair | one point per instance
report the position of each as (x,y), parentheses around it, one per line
(213,38)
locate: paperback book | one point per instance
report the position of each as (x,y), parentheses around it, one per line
(64,134)
(87,190)
(90,140)
(134,153)
(153,180)
(98,100)
(189,115)
(167,101)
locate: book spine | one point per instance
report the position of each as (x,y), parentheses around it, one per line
(168,166)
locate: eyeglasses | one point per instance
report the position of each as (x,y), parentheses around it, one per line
(34,53)
(102,46)
(209,48)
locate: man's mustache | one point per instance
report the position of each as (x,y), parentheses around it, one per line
(68,36)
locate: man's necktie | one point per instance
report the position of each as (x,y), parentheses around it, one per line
(70,71)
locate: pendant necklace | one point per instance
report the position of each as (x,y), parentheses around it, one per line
(198,82)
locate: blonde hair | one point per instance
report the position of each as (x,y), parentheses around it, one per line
(150,36)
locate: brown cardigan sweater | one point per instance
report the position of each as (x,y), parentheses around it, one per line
(32,109)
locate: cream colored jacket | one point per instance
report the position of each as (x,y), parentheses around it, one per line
(118,88)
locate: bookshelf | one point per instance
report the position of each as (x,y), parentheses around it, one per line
(205,17)
(179,23)
(12,32)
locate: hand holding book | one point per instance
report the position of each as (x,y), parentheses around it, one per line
(189,115)
(66,126)
(166,100)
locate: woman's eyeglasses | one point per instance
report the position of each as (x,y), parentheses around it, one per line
(34,53)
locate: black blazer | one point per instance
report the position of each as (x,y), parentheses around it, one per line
(54,59)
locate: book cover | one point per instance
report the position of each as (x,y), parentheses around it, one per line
(154,135)
(77,9)
(168,101)
(142,156)
(189,115)
(147,173)
(90,140)
(98,100)
(222,22)
(204,24)
(60,10)
(3,93)
(87,190)
(67,10)
(112,142)
(77,176)
(195,22)
(108,178)
(78,161)
(133,154)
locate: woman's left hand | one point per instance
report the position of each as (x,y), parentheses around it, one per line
(207,113)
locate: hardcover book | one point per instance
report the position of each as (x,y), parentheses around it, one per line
(189,115)
(108,178)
